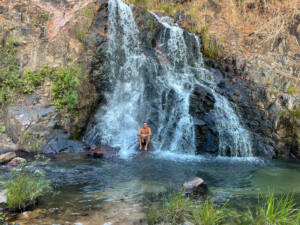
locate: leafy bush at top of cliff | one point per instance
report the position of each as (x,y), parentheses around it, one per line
(167,8)
(25,187)
(291,114)
(211,46)
(141,3)
(291,90)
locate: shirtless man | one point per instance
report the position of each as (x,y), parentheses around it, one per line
(144,136)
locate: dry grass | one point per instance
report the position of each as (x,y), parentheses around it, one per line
(243,25)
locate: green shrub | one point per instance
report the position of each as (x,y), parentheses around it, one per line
(141,3)
(13,42)
(210,46)
(168,9)
(292,115)
(275,91)
(88,12)
(151,25)
(273,211)
(208,214)
(152,217)
(2,129)
(291,90)
(175,208)
(65,86)
(81,35)
(31,80)
(4,219)
(10,79)
(270,210)
(23,189)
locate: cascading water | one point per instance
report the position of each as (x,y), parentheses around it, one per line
(234,140)
(156,90)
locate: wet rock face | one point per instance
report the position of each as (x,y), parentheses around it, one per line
(36,126)
(201,104)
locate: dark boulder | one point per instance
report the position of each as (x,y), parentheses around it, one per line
(195,186)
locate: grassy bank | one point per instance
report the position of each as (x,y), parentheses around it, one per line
(270,210)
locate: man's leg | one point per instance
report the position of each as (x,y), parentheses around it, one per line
(147,143)
(140,142)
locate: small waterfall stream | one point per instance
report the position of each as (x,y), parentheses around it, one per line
(157,91)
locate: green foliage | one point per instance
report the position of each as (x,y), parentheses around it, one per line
(65,88)
(13,42)
(81,35)
(175,208)
(168,9)
(31,80)
(24,188)
(151,24)
(208,214)
(88,12)
(2,129)
(141,3)
(210,46)
(10,79)
(291,90)
(275,91)
(292,115)
(4,219)
(45,16)
(152,216)
(273,211)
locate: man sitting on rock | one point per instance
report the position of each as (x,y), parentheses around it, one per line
(144,135)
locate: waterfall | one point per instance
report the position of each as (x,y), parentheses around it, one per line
(234,140)
(156,90)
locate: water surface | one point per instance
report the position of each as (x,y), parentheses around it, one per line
(119,191)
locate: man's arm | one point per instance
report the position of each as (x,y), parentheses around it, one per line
(139,133)
(150,132)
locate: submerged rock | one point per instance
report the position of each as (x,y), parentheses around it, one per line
(16,161)
(195,186)
(104,151)
(6,157)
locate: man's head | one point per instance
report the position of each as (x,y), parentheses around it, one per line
(145,125)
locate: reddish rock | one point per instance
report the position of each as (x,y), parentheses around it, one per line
(104,151)
(97,153)
(6,157)
(195,186)
(16,161)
